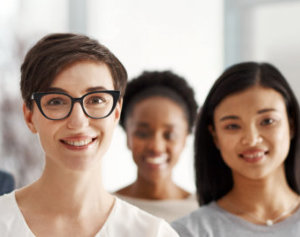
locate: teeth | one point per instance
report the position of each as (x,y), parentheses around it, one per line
(157,160)
(79,143)
(252,156)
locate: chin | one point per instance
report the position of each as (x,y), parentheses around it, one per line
(81,164)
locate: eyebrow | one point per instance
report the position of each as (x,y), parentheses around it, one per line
(229,117)
(265,110)
(142,125)
(90,89)
(236,117)
(146,125)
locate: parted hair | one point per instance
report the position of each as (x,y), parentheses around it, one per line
(213,176)
(54,52)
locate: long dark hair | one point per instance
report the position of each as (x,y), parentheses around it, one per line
(213,176)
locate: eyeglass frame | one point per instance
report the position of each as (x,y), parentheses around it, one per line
(37,96)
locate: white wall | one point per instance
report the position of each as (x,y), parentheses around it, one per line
(184,36)
(267,31)
(276,38)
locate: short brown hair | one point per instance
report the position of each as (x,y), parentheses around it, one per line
(54,52)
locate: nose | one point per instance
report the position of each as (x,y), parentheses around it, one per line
(77,118)
(157,144)
(251,137)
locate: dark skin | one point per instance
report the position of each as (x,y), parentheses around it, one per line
(156,131)
(145,190)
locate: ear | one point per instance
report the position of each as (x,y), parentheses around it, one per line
(118,110)
(28,118)
(214,135)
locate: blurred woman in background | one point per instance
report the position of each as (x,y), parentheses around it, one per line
(158,115)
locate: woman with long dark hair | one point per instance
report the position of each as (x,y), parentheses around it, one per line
(246,157)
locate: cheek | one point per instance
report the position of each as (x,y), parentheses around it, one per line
(44,128)
(280,142)
(137,146)
(228,145)
(177,148)
(227,142)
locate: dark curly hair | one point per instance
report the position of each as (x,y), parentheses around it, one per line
(160,83)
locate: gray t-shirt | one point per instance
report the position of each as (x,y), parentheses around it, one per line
(213,221)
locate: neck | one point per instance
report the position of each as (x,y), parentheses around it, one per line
(265,198)
(161,189)
(271,189)
(74,193)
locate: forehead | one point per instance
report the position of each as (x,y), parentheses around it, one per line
(157,109)
(250,101)
(84,74)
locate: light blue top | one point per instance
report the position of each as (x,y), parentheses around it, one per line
(213,221)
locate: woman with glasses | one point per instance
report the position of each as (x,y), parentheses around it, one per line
(247,155)
(72,89)
(159,113)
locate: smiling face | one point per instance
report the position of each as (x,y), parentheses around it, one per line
(156,133)
(252,132)
(76,142)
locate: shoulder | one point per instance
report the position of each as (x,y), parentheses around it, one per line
(9,218)
(6,203)
(169,210)
(198,222)
(132,221)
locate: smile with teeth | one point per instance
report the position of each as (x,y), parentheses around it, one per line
(253,155)
(157,160)
(78,143)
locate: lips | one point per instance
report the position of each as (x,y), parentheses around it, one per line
(78,142)
(253,155)
(157,160)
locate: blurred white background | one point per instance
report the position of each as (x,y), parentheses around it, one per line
(195,38)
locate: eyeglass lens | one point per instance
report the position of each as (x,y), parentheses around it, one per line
(58,106)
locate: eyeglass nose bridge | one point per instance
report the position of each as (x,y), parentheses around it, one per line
(80,101)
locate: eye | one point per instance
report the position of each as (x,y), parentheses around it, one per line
(232,126)
(95,100)
(142,134)
(170,136)
(267,121)
(56,101)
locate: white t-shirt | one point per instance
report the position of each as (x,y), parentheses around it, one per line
(125,220)
(169,210)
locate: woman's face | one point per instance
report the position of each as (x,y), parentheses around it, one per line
(252,132)
(76,142)
(156,129)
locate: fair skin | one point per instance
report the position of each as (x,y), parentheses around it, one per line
(69,198)
(156,134)
(253,133)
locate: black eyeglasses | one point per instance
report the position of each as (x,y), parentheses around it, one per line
(59,105)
